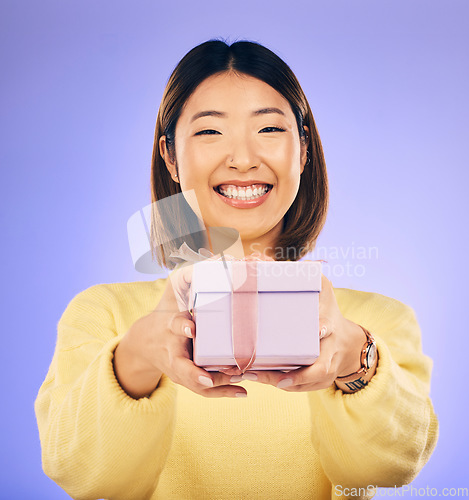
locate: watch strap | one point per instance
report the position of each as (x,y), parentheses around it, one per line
(363,355)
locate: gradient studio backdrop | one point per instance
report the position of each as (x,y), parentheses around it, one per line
(81,84)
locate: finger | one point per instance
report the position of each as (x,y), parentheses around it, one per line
(325,296)
(208,384)
(234,370)
(325,282)
(270,377)
(320,372)
(324,332)
(225,391)
(324,384)
(181,324)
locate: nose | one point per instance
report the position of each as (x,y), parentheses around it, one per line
(242,157)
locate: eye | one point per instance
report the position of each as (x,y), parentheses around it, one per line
(207,132)
(273,129)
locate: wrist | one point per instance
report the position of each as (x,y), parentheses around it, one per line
(353,379)
(355,339)
(360,382)
(135,378)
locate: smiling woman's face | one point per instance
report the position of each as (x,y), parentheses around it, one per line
(236,130)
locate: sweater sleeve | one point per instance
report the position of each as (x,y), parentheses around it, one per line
(385,433)
(98,442)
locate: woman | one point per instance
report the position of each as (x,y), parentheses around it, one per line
(120,413)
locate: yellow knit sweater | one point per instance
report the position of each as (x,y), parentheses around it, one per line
(98,442)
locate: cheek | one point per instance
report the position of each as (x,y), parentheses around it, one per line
(283,153)
(196,160)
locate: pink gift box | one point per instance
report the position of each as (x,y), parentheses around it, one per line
(256,315)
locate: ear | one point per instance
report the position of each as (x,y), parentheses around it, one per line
(170,165)
(304,148)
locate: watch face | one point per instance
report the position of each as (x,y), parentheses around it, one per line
(371,355)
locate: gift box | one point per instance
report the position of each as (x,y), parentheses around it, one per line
(258,315)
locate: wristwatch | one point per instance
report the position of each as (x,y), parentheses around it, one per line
(367,358)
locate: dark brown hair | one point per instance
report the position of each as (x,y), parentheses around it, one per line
(305,218)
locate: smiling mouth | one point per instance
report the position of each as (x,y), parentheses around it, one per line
(244,193)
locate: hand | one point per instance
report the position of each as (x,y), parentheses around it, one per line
(161,343)
(340,346)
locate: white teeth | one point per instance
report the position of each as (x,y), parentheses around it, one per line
(244,194)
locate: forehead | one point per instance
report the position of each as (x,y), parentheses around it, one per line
(235,92)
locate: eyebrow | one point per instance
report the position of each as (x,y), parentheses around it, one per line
(220,114)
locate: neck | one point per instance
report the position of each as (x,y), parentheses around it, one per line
(232,243)
(261,246)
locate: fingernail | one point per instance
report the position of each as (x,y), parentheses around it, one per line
(284,383)
(241,395)
(206,381)
(249,376)
(188,332)
(236,378)
(323,332)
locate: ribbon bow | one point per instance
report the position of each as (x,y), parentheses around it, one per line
(185,254)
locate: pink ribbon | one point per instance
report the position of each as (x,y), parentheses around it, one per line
(244,310)
(244,316)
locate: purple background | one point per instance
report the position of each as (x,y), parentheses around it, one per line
(80,87)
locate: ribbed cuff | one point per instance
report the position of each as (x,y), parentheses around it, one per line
(368,409)
(160,400)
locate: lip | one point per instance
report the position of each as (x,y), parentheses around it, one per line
(245,203)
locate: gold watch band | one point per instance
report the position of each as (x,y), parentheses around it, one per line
(370,341)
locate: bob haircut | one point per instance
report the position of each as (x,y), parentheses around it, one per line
(306,216)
